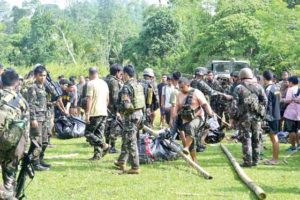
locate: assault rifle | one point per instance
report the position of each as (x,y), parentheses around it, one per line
(26,170)
(112,117)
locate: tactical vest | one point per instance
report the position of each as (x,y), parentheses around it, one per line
(138,98)
(12,120)
(186,112)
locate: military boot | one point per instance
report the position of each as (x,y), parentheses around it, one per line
(105,148)
(96,156)
(38,167)
(133,171)
(120,166)
(42,162)
(113,149)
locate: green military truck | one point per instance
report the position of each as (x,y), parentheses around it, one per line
(225,67)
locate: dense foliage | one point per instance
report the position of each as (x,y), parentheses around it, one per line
(180,35)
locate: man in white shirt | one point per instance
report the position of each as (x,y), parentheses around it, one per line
(96,113)
(166,105)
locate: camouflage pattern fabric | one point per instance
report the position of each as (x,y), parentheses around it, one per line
(10,159)
(132,122)
(249,122)
(129,150)
(94,133)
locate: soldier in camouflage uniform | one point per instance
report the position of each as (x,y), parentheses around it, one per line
(218,102)
(114,83)
(11,155)
(151,95)
(132,104)
(37,100)
(248,110)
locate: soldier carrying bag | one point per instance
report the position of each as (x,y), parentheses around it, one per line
(12,121)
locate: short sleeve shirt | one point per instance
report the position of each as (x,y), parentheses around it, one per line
(98,91)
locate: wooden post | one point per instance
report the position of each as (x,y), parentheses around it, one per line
(245,178)
(175,148)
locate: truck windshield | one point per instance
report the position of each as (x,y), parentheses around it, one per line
(222,67)
(229,66)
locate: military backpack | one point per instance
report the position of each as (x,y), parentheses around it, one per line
(253,102)
(12,121)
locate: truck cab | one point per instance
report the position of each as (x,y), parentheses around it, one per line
(225,67)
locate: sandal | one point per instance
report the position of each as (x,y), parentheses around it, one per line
(271,162)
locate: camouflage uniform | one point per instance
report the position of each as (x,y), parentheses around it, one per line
(219,103)
(38,111)
(204,88)
(132,122)
(94,132)
(151,99)
(112,130)
(10,158)
(249,121)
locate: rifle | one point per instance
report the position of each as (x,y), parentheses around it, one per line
(26,170)
(115,118)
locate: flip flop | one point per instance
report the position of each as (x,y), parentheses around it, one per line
(271,162)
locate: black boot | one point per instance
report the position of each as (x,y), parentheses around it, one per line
(42,162)
(38,167)
(113,148)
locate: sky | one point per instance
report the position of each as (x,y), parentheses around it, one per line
(62,3)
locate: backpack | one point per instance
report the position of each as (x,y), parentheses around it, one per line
(151,95)
(138,100)
(12,121)
(186,112)
(253,103)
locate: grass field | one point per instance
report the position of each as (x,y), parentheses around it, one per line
(73,176)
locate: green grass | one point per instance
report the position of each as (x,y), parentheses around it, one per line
(78,178)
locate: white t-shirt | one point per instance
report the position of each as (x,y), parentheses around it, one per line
(98,91)
(167,92)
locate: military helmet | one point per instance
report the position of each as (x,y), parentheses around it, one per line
(246,73)
(201,71)
(148,72)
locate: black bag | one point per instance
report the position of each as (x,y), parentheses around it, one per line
(69,127)
(214,136)
(145,155)
(156,149)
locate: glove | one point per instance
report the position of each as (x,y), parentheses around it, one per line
(213,123)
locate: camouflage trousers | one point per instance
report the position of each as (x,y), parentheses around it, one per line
(129,149)
(40,136)
(94,132)
(9,174)
(250,137)
(112,132)
(220,109)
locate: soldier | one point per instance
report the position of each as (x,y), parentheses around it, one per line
(12,149)
(37,100)
(151,95)
(235,81)
(248,110)
(132,104)
(114,82)
(96,113)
